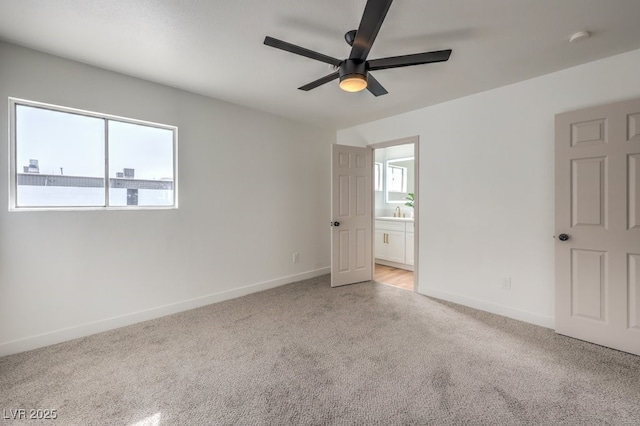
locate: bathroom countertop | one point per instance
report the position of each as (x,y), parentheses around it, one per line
(399,219)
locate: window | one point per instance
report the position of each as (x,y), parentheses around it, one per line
(377,176)
(61,158)
(397,179)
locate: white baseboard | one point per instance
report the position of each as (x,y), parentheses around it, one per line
(86,329)
(494,308)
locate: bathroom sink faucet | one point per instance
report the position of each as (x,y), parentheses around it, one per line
(397,212)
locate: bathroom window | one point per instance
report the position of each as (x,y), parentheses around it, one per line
(397,179)
(67,158)
(377,176)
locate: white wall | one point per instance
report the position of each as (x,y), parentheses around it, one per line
(68,274)
(487,184)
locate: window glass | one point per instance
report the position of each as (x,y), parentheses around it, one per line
(140,165)
(397,181)
(60,158)
(377,176)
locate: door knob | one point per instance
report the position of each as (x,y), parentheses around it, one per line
(335,223)
(563,237)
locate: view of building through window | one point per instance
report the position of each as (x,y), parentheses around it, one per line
(61,160)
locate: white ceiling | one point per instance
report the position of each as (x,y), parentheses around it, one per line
(214,47)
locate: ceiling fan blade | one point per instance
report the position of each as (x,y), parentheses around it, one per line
(375,87)
(320,81)
(372,18)
(409,60)
(283,45)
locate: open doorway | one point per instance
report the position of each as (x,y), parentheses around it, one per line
(395,185)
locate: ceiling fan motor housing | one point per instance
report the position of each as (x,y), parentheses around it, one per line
(350,67)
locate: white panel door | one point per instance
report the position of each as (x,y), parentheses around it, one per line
(598,225)
(351,260)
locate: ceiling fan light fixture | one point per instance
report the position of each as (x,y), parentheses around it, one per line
(354,70)
(353,82)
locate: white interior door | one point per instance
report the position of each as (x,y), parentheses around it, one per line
(351,260)
(598,225)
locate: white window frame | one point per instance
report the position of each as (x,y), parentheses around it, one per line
(13,170)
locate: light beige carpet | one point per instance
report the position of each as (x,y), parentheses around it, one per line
(306,354)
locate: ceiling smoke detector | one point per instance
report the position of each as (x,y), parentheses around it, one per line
(581,35)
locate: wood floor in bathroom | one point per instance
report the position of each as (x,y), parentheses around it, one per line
(394,276)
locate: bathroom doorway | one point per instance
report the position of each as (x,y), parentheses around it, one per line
(395,207)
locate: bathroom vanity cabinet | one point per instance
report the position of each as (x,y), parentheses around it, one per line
(394,242)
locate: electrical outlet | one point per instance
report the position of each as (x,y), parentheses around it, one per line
(296,257)
(506,283)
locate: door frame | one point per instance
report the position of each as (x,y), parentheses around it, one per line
(415,140)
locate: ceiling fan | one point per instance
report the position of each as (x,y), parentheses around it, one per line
(354,72)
